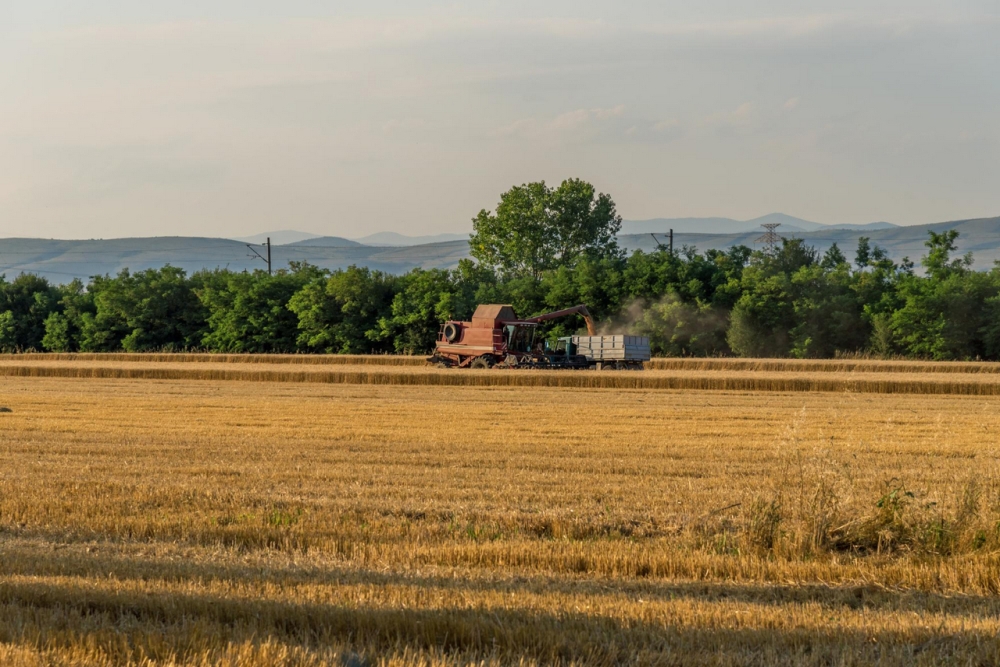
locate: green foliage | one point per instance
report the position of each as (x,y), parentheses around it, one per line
(679,329)
(425,300)
(833,258)
(25,304)
(536,228)
(63,328)
(57,334)
(248,312)
(340,313)
(788,303)
(828,318)
(945,314)
(762,320)
(150,310)
(596,282)
(8,332)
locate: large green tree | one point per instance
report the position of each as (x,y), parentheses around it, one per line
(25,304)
(151,310)
(249,313)
(425,299)
(341,313)
(944,314)
(64,327)
(536,228)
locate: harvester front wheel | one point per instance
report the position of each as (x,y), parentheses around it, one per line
(481,362)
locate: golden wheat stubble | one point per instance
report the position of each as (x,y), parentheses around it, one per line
(698,375)
(501,522)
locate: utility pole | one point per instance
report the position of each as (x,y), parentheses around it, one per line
(266,259)
(660,246)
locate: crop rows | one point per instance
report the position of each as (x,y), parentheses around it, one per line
(823,365)
(660,363)
(234,523)
(752,380)
(187,358)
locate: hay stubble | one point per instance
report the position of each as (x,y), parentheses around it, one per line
(262,523)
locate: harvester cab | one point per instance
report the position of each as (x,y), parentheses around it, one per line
(519,337)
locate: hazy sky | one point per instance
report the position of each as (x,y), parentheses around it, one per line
(233,117)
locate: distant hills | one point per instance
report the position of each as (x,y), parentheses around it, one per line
(61,261)
(380,239)
(729,226)
(656,226)
(326,242)
(282,237)
(980,236)
(394,239)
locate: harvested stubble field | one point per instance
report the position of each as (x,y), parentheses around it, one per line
(662,363)
(181,357)
(767,376)
(191,521)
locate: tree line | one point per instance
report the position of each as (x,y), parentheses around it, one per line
(542,249)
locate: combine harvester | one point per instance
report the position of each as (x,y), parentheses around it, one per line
(497,338)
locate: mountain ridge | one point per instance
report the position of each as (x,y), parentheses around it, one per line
(63,260)
(716,225)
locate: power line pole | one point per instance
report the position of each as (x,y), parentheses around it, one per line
(770,238)
(659,246)
(266,259)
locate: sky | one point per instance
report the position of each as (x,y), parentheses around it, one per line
(233,117)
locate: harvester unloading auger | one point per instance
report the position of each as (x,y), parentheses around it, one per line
(496,337)
(575,310)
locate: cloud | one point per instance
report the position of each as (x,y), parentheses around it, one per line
(792,103)
(522,127)
(569,123)
(797,27)
(667,125)
(738,117)
(573,120)
(402,125)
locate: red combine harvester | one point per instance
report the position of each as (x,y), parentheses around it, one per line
(497,337)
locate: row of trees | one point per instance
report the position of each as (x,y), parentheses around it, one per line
(792,302)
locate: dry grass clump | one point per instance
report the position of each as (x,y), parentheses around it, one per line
(165,522)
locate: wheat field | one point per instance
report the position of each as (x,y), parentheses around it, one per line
(846,365)
(690,374)
(197,521)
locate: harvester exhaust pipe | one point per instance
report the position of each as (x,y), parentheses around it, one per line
(575,310)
